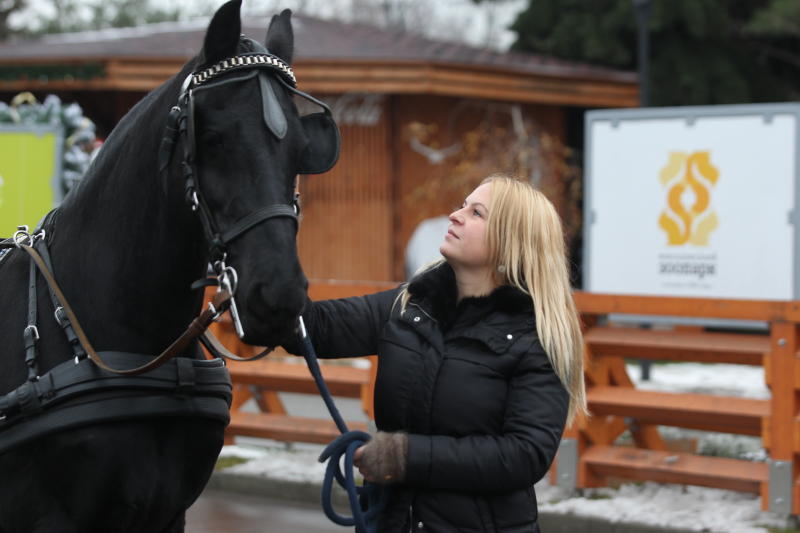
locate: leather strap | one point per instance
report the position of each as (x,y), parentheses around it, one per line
(256,217)
(216,349)
(220,302)
(31,332)
(60,316)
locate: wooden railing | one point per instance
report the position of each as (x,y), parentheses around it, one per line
(590,455)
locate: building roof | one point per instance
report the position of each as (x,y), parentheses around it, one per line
(317,43)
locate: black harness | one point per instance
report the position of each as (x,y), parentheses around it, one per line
(78,391)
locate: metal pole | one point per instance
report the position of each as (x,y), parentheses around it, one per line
(642,8)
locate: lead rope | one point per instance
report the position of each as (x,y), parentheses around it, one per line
(364,520)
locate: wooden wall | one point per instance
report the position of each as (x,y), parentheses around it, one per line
(347,227)
(359,217)
(427,189)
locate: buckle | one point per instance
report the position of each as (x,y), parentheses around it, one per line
(34,330)
(60,316)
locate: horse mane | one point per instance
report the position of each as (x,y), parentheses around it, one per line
(143,123)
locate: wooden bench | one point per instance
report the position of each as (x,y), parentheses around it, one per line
(347,381)
(742,416)
(676,345)
(286,428)
(674,467)
(617,406)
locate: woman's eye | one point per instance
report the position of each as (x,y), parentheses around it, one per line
(476,213)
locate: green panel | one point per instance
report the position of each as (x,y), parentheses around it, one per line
(28,164)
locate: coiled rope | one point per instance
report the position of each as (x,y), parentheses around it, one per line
(364,517)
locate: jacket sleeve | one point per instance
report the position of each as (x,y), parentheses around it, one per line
(346,327)
(515,459)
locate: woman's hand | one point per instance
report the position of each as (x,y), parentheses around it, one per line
(383,459)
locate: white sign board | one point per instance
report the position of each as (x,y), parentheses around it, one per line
(693,201)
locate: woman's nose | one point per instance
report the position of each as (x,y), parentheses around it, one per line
(455,216)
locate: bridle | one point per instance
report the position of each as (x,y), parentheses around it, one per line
(181,122)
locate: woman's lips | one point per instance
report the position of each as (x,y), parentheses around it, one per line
(450,232)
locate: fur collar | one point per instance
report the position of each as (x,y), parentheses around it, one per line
(435,291)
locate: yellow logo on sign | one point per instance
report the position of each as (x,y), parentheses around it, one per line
(688,217)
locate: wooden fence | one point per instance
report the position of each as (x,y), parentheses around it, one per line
(590,455)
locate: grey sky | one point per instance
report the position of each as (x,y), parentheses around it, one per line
(484,24)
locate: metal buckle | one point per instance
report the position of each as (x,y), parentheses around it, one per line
(34,329)
(59,319)
(194,202)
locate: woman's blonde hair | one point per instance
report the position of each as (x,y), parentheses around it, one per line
(526,244)
(526,247)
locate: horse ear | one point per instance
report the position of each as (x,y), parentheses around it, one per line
(280,37)
(222,37)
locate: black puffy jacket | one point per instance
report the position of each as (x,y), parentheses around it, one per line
(473,388)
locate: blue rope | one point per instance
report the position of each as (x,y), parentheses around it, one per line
(364,520)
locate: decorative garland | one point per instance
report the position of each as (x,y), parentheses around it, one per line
(79,132)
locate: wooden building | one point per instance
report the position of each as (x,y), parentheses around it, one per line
(422,121)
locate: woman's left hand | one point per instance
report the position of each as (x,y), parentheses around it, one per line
(383,459)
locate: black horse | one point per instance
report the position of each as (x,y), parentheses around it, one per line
(126,246)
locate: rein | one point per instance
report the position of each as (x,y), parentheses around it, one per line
(30,242)
(345,445)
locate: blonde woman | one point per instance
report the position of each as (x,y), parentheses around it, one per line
(480,367)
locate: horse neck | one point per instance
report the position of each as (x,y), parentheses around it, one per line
(126,247)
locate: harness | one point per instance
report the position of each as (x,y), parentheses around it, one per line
(88,389)
(106,386)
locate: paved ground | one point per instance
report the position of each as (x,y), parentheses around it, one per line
(227,512)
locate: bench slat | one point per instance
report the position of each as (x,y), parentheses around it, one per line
(344,381)
(706,347)
(287,428)
(671,467)
(742,416)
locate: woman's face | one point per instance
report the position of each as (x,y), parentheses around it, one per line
(465,243)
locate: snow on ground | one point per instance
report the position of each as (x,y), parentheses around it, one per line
(686,507)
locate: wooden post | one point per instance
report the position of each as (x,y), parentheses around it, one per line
(782,495)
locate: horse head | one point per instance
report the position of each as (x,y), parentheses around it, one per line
(244,144)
